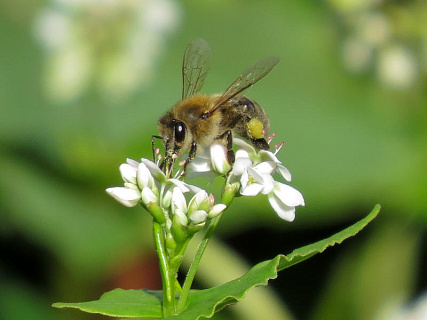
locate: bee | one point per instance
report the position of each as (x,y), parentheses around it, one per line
(198,120)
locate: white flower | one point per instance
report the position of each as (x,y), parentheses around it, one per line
(127,197)
(284,199)
(213,162)
(397,67)
(254,181)
(254,172)
(247,151)
(142,182)
(114,44)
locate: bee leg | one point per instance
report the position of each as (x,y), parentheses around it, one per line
(260,144)
(191,156)
(152,146)
(227,140)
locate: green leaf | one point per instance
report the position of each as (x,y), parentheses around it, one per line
(122,303)
(301,254)
(204,303)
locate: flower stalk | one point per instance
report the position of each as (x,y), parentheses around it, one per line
(167,278)
(212,224)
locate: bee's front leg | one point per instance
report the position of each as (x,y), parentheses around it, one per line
(191,156)
(227,140)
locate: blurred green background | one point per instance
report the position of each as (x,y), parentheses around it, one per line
(83,83)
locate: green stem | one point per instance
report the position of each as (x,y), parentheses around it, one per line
(168,279)
(227,198)
(195,264)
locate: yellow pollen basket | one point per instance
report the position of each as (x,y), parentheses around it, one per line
(256,128)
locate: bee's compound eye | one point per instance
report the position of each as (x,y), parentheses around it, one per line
(179,132)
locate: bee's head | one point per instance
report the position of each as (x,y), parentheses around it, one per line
(176,136)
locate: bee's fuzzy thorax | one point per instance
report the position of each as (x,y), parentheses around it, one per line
(190,111)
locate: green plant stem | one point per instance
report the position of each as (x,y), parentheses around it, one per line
(168,279)
(227,198)
(195,264)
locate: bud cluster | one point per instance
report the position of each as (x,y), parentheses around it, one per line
(146,184)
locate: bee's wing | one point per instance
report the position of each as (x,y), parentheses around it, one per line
(251,75)
(195,67)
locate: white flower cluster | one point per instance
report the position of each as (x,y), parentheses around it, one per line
(111,43)
(253,173)
(164,198)
(374,39)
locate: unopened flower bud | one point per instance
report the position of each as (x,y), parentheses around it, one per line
(157,212)
(198,199)
(170,242)
(196,227)
(216,210)
(131,186)
(179,230)
(128,173)
(198,216)
(167,198)
(219,158)
(127,197)
(148,196)
(229,192)
(144,177)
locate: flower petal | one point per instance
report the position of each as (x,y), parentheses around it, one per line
(127,197)
(240,166)
(132,163)
(240,153)
(251,189)
(284,172)
(180,184)
(288,195)
(283,211)
(245,146)
(266,155)
(255,175)
(265,167)
(244,180)
(200,164)
(155,170)
(268,183)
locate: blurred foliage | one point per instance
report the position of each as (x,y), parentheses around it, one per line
(350,142)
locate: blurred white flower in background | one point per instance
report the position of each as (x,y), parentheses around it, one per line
(397,67)
(395,310)
(112,44)
(384,38)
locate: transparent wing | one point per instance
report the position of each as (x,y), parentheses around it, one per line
(195,67)
(251,75)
